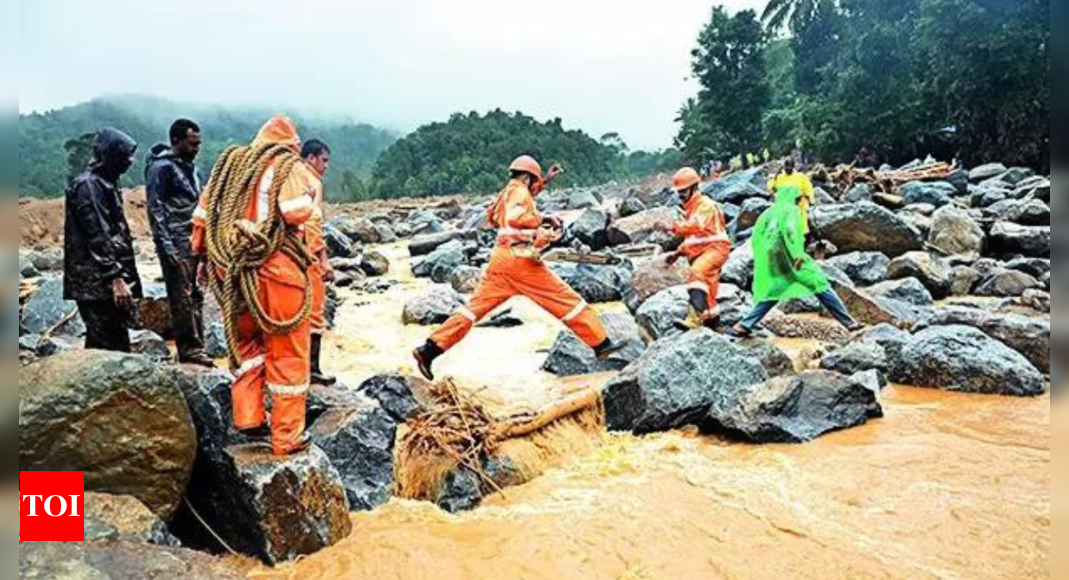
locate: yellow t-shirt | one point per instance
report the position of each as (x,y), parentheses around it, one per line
(802,182)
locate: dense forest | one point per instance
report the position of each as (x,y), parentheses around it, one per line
(877,80)
(470,153)
(54,145)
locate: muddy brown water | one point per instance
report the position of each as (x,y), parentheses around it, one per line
(946,487)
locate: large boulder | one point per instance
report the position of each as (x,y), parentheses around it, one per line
(338,244)
(427,243)
(856,357)
(128,560)
(866,227)
(591,229)
(1027,212)
(26,267)
(653,276)
(375,264)
(154,310)
(123,518)
(434,306)
(985,172)
(121,419)
(571,357)
(863,268)
(285,507)
(150,344)
(961,358)
(907,290)
(890,339)
(465,279)
(796,409)
(657,315)
(394,393)
(954,231)
(358,437)
(738,187)
(641,227)
(1028,336)
(677,381)
(822,330)
(775,361)
(965,280)
(858,193)
(47,311)
(582,199)
(1035,267)
(874,310)
(751,210)
(934,273)
(738,270)
(631,206)
(596,284)
(1008,238)
(440,264)
(1006,284)
(938,193)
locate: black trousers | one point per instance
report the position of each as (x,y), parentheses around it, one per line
(107,327)
(187,306)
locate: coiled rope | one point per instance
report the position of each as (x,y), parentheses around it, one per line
(238,257)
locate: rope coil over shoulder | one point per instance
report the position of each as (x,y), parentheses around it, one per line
(233,182)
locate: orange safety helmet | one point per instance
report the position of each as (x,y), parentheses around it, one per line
(527,164)
(685,179)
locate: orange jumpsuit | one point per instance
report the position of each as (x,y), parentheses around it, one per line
(513,271)
(277,364)
(313,235)
(707,246)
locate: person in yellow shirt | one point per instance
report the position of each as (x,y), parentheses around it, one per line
(791,177)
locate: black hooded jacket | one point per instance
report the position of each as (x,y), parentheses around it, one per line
(98,246)
(173,192)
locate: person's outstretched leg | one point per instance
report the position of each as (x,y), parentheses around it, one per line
(758,313)
(831,301)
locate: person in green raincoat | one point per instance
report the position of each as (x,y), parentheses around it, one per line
(782,270)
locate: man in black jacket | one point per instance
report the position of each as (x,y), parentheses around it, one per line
(173,192)
(100,272)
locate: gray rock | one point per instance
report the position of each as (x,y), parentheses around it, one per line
(658,314)
(955,232)
(425,244)
(1028,336)
(908,290)
(938,193)
(863,268)
(215,339)
(1035,267)
(987,197)
(652,276)
(1026,212)
(460,490)
(582,199)
(394,394)
(440,264)
(796,409)
(1036,187)
(1006,284)
(26,267)
(106,560)
(985,172)
(385,233)
(856,357)
(571,357)
(873,380)
(123,518)
(1016,175)
(934,273)
(434,306)
(858,193)
(738,187)
(596,284)
(48,260)
(641,227)
(775,361)
(358,438)
(120,418)
(46,309)
(338,244)
(465,279)
(677,381)
(960,358)
(822,197)
(873,310)
(591,229)
(866,227)
(738,270)
(751,210)
(631,206)
(1033,241)
(154,310)
(965,280)
(375,264)
(890,338)
(148,343)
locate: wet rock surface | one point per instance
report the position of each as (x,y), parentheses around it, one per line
(107,560)
(432,307)
(571,357)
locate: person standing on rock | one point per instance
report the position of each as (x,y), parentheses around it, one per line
(705,245)
(100,271)
(790,176)
(516,269)
(249,227)
(782,270)
(316,156)
(174,188)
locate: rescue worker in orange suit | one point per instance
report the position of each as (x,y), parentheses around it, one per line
(316,156)
(517,270)
(277,364)
(705,245)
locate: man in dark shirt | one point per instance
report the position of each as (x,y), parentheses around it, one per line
(100,272)
(173,193)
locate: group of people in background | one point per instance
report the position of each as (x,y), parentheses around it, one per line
(284,359)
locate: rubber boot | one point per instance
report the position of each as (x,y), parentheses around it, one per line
(318,377)
(425,357)
(699,304)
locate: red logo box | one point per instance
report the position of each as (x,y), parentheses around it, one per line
(52,506)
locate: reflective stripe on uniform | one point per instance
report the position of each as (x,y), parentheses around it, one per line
(579,308)
(249,366)
(288,390)
(516,233)
(292,205)
(200,214)
(706,240)
(466,313)
(262,211)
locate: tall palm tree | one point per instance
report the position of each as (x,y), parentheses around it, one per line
(796,12)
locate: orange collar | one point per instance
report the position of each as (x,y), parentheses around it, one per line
(692,203)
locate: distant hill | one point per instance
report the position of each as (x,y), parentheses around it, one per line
(44,167)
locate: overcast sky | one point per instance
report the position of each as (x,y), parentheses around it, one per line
(599,65)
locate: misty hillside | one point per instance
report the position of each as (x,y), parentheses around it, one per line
(44,139)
